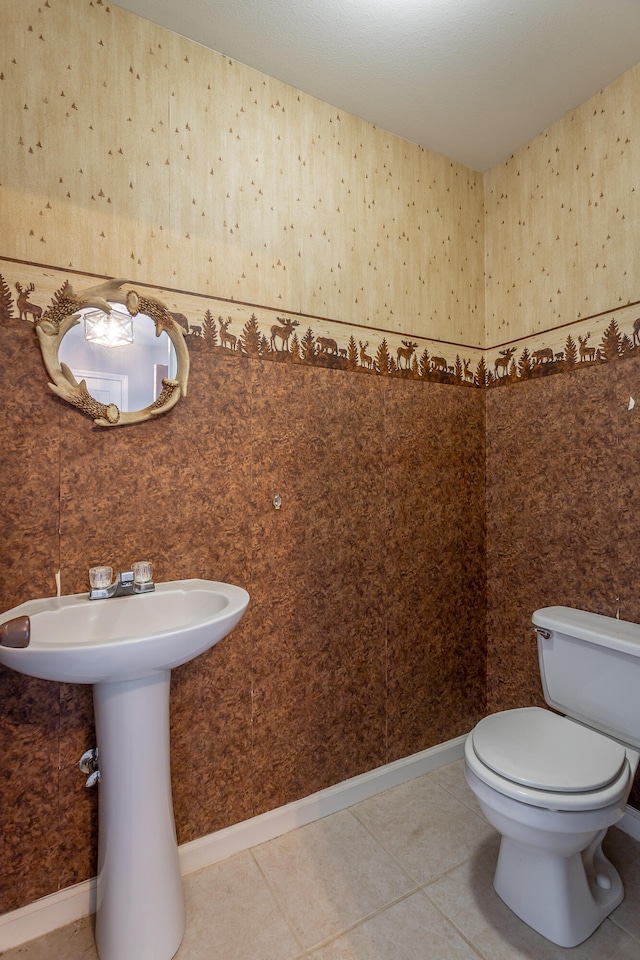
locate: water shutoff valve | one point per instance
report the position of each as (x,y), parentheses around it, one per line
(88,763)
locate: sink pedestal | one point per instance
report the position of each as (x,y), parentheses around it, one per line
(140,903)
(126,648)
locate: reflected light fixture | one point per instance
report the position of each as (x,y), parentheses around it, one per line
(108,329)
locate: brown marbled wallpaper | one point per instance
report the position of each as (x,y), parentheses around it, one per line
(364,639)
(30,710)
(320,698)
(562,478)
(435,564)
(367,637)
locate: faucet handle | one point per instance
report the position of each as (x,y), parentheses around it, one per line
(100,577)
(143,577)
(142,571)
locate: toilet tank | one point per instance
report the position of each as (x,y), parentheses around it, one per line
(590,668)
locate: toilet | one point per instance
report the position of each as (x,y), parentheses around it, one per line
(553,784)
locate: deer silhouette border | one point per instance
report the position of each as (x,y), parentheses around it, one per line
(287,340)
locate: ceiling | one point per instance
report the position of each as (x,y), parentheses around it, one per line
(471,79)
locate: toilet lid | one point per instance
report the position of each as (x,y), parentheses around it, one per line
(542,750)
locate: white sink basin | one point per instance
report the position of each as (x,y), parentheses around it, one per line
(75,640)
(126,648)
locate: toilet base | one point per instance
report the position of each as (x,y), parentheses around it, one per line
(564,898)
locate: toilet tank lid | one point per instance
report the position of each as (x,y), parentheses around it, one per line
(609,632)
(544,751)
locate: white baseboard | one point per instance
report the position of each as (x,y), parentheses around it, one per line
(74,903)
(630,823)
(47,914)
(217,846)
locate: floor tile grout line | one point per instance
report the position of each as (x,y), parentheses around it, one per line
(321,944)
(622,927)
(280,905)
(469,804)
(415,888)
(384,847)
(476,949)
(421,884)
(456,866)
(418,887)
(425,889)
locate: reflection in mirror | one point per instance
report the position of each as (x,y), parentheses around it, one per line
(127,374)
(149,373)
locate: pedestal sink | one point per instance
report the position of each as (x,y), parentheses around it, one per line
(126,648)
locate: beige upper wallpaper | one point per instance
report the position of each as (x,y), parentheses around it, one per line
(130,151)
(563,219)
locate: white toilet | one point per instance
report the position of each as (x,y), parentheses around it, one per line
(552,785)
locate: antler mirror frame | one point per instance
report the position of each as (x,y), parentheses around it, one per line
(63,314)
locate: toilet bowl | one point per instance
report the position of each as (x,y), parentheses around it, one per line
(552,785)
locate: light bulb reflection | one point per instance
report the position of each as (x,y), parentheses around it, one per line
(112,329)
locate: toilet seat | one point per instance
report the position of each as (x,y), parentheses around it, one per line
(546,760)
(547,752)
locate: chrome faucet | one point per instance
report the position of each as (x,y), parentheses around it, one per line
(126,584)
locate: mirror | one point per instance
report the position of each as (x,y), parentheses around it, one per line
(128,374)
(120,357)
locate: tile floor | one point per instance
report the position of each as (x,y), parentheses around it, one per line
(405,875)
